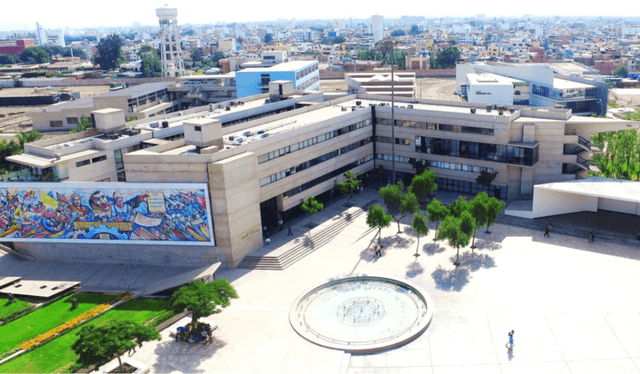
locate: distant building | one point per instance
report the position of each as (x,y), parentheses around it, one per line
(170,48)
(305,76)
(227,45)
(377,28)
(380,83)
(15,47)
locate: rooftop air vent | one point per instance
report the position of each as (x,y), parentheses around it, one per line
(344,109)
(358,102)
(154,125)
(512,110)
(231,138)
(489,108)
(165,124)
(247,133)
(266,134)
(473,110)
(228,108)
(410,106)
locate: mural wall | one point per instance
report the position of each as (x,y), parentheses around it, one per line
(141,213)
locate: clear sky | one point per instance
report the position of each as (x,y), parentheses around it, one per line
(16,15)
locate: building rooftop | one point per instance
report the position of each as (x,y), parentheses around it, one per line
(490,79)
(143,89)
(564,84)
(44,289)
(616,189)
(284,66)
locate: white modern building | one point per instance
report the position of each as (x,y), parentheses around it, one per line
(377,28)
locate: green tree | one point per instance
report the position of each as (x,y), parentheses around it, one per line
(436,213)
(419,166)
(399,204)
(97,345)
(311,206)
(424,184)
(452,231)
(216,57)
(201,299)
(376,217)
(448,57)
(27,137)
(35,55)
(8,149)
(83,124)
(619,157)
(76,52)
(622,71)
(7,59)
(151,65)
(54,50)
(468,224)
(485,178)
(109,52)
(415,30)
(268,38)
(433,61)
(478,209)
(494,207)
(457,207)
(349,186)
(398,32)
(420,226)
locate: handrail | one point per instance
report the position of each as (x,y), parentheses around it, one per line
(582,161)
(585,142)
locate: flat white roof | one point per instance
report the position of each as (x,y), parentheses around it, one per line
(490,79)
(38,288)
(564,84)
(609,188)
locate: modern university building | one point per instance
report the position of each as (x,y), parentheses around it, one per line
(199,185)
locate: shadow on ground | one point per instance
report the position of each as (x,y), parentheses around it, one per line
(414,269)
(184,357)
(451,280)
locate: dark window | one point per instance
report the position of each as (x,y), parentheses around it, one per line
(82,163)
(98,159)
(55,124)
(122,177)
(72,120)
(198,128)
(117,155)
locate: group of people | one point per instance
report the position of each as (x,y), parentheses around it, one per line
(592,234)
(378,251)
(200,333)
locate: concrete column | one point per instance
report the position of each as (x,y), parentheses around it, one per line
(235,207)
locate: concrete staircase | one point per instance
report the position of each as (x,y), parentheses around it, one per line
(308,245)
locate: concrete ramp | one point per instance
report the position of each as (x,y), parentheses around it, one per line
(520,208)
(205,273)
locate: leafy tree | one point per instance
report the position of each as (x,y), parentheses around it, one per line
(485,178)
(415,30)
(457,207)
(420,226)
(109,52)
(97,345)
(619,158)
(433,61)
(398,203)
(8,149)
(7,59)
(424,184)
(437,212)
(448,57)
(419,166)
(35,55)
(83,124)
(27,137)
(622,71)
(494,207)
(468,224)
(398,32)
(151,65)
(201,299)
(216,57)
(268,38)
(349,186)
(196,54)
(378,218)
(311,206)
(76,52)
(54,50)
(478,209)
(452,231)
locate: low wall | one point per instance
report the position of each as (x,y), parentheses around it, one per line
(46,82)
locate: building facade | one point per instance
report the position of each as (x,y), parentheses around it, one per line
(305,76)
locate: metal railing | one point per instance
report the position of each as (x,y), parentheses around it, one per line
(584,142)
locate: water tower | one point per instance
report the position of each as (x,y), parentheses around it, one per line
(170,51)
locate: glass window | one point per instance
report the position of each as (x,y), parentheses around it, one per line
(117,155)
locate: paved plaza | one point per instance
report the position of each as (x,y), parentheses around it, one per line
(573,305)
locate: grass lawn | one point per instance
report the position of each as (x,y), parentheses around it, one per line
(6,310)
(57,355)
(46,318)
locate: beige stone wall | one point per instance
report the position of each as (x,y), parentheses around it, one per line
(235,207)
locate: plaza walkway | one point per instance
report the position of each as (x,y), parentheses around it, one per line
(573,304)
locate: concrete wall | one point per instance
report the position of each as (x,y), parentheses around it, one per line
(618,206)
(491,93)
(550,203)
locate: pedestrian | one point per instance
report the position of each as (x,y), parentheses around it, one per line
(547,228)
(289,233)
(592,236)
(510,346)
(267,240)
(279,224)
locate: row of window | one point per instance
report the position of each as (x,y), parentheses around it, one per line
(387,139)
(437,164)
(307,71)
(312,141)
(326,177)
(478,151)
(437,126)
(472,188)
(308,83)
(313,162)
(251,118)
(90,161)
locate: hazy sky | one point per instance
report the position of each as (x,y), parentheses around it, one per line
(16,15)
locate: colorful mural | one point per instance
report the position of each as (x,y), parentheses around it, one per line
(136,212)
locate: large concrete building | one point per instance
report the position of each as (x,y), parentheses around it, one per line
(257,161)
(305,76)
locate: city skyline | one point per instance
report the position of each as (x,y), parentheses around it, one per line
(119,13)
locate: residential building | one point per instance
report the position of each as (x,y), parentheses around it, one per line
(15,47)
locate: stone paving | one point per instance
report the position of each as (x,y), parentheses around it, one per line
(572,304)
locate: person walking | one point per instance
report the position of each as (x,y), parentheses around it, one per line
(547,228)
(510,345)
(592,236)
(289,233)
